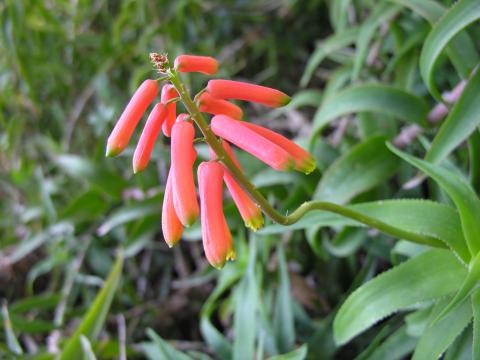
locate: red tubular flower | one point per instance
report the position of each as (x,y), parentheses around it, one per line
(215,106)
(250,212)
(168,93)
(237,133)
(171,226)
(217,240)
(183,156)
(150,132)
(304,162)
(228,89)
(192,63)
(123,130)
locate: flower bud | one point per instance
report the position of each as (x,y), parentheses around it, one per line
(168,93)
(237,133)
(215,106)
(171,226)
(304,162)
(183,156)
(217,240)
(250,212)
(229,89)
(123,130)
(192,63)
(150,132)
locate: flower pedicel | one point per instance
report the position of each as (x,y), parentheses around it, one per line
(180,205)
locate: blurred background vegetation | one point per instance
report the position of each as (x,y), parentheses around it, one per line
(67,69)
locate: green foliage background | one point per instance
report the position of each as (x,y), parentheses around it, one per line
(84,271)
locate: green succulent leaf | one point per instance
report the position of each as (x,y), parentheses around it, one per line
(439,336)
(476,324)
(380,15)
(333,43)
(297,354)
(365,166)
(466,289)
(371,98)
(438,221)
(461,49)
(247,303)
(460,123)
(464,197)
(397,346)
(426,277)
(458,17)
(94,319)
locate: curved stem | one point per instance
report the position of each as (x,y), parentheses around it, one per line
(260,200)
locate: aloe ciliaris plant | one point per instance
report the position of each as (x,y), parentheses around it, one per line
(438,282)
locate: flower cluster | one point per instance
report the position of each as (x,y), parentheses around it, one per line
(180,205)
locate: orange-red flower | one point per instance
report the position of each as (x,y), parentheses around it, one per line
(215,106)
(250,212)
(193,63)
(304,162)
(150,132)
(237,133)
(123,130)
(183,156)
(169,93)
(217,240)
(180,205)
(171,226)
(229,89)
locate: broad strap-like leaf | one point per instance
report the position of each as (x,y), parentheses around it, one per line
(331,44)
(371,98)
(428,276)
(213,337)
(381,14)
(338,14)
(466,289)
(476,324)
(438,221)
(465,199)
(95,174)
(365,166)
(246,309)
(430,10)
(458,17)
(461,50)
(460,123)
(126,214)
(297,354)
(11,339)
(95,317)
(159,349)
(438,337)
(283,322)
(88,353)
(397,346)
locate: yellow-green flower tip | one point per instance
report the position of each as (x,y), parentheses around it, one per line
(137,169)
(254,223)
(231,256)
(191,220)
(112,151)
(173,242)
(308,165)
(285,101)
